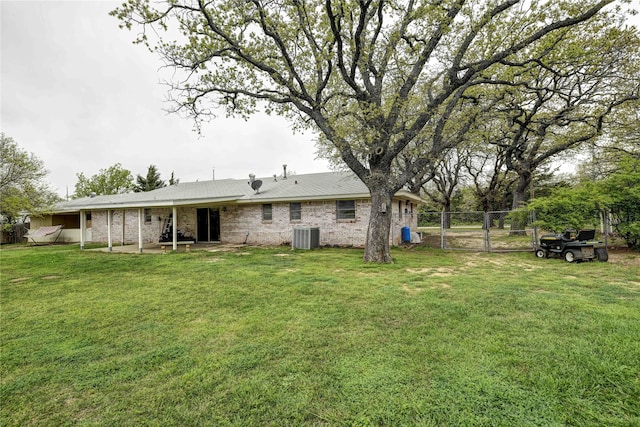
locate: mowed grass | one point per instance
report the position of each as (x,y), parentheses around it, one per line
(274,337)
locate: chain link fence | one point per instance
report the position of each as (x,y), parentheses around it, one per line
(499,231)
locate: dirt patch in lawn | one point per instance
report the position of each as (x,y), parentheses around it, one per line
(624,256)
(227,248)
(418,270)
(411,291)
(437,272)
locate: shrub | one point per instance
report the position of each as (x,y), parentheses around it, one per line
(622,190)
(564,208)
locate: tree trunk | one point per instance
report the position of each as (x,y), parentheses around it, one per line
(446,208)
(519,196)
(377,244)
(520,193)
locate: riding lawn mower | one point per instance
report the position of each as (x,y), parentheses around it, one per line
(572,247)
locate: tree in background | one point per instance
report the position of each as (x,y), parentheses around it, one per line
(114,180)
(151,181)
(492,181)
(445,181)
(173,180)
(371,76)
(603,155)
(581,206)
(22,188)
(550,109)
(621,191)
(568,207)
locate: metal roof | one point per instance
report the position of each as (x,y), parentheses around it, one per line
(317,186)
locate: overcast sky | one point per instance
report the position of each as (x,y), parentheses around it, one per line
(80,96)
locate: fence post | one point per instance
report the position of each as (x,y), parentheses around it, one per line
(607,227)
(442,237)
(485,232)
(535,230)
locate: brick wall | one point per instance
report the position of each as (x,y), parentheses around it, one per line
(243,224)
(151,231)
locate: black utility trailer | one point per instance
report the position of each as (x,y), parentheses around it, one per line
(572,247)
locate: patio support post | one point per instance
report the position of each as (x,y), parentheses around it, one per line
(140,213)
(109,221)
(83,226)
(175,228)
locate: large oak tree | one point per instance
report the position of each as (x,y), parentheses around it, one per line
(565,99)
(370,75)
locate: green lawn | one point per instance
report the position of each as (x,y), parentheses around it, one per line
(264,337)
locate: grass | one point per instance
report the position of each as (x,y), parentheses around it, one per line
(279,337)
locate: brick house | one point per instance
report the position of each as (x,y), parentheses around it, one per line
(233,211)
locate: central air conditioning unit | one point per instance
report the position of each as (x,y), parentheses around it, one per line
(306,238)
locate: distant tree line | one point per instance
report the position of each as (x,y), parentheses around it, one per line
(25,193)
(23,190)
(117,180)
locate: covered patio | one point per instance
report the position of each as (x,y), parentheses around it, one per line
(160,248)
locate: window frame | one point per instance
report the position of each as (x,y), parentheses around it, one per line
(344,213)
(267,212)
(148,218)
(297,211)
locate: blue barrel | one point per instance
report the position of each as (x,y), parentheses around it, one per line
(406,235)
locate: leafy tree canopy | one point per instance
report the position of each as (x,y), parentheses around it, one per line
(572,207)
(622,190)
(580,206)
(379,79)
(113,180)
(22,186)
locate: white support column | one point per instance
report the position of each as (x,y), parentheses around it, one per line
(140,219)
(175,228)
(123,226)
(109,225)
(83,227)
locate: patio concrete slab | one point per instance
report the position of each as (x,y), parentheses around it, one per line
(157,248)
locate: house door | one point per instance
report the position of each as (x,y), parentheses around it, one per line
(208,225)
